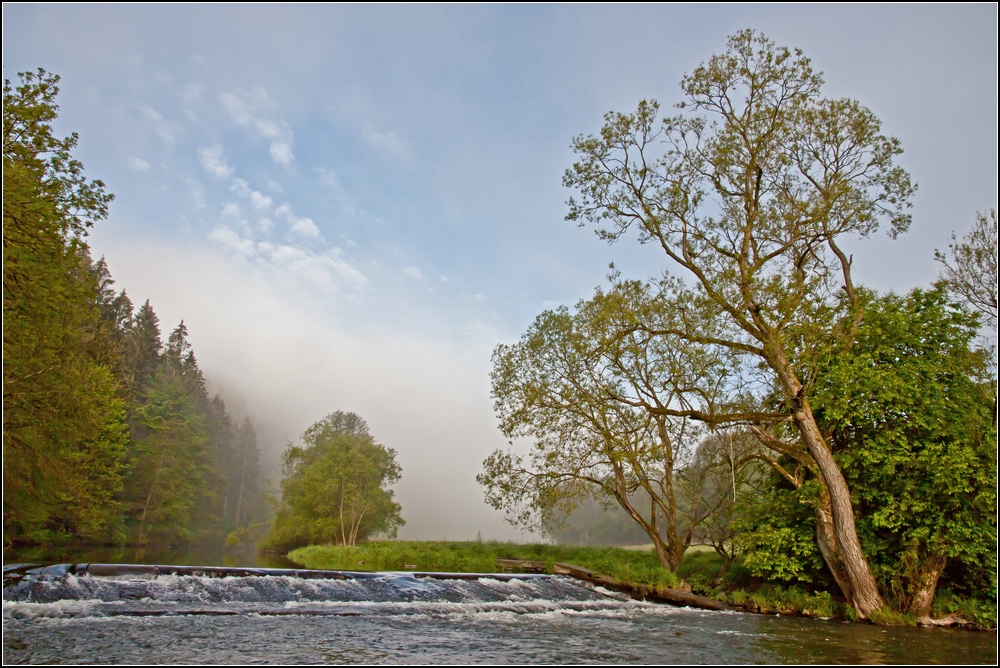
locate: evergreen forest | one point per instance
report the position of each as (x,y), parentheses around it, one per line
(110,435)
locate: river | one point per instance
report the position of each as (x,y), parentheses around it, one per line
(277,617)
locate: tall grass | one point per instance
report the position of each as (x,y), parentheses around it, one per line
(636,566)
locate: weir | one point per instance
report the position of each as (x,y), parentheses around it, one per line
(91,589)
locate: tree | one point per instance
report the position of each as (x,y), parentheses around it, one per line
(749,192)
(728,474)
(63,421)
(970,267)
(606,412)
(335,488)
(168,463)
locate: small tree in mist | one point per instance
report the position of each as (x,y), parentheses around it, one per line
(335,487)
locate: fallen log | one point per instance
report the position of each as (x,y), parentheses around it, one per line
(520,566)
(641,592)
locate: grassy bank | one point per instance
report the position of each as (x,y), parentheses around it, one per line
(638,566)
(701,573)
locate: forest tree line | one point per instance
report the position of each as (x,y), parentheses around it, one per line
(109,432)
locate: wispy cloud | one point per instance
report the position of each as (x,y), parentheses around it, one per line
(299,225)
(252,110)
(138,164)
(163,130)
(214,162)
(387,142)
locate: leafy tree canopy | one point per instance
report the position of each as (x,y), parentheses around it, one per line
(336,486)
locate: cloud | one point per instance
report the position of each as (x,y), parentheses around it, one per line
(281,153)
(328,272)
(138,164)
(251,110)
(299,225)
(192,93)
(414,272)
(258,200)
(162,128)
(214,162)
(388,143)
(232,210)
(232,241)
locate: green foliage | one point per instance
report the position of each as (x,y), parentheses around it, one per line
(749,191)
(107,434)
(63,422)
(981,612)
(335,487)
(912,416)
(776,536)
(166,463)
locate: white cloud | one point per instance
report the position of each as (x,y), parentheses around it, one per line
(192,93)
(298,224)
(231,209)
(241,187)
(229,239)
(387,142)
(282,154)
(197,193)
(328,272)
(414,272)
(304,226)
(138,164)
(162,128)
(259,201)
(213,161)
(251,110)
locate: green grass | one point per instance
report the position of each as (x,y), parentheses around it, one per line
(701,569)
(627,565)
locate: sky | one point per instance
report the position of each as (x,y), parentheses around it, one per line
(350,206)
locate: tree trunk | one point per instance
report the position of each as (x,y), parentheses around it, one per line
(924,586)
(864,592)
(827,542)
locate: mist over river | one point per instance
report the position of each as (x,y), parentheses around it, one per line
(62,616)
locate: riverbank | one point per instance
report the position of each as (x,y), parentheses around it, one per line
(701,574)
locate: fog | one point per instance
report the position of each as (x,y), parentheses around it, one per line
(281,362)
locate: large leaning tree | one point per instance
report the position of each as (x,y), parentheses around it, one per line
(750,191)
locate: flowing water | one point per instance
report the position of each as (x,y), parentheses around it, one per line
(95,614)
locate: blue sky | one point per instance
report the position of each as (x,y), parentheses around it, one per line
(350,206)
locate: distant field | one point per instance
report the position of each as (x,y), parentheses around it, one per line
(638,564)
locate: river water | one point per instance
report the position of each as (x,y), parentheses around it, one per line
(59,616)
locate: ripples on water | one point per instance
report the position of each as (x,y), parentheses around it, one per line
(399,618)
